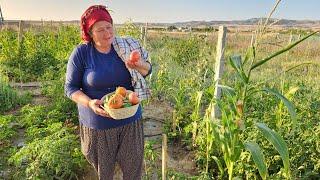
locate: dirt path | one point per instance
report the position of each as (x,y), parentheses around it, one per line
(35,89)
(154,116)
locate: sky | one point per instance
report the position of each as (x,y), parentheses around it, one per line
(161,11)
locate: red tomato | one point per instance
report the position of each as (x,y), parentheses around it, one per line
(115,102)
(122,91)
(133,98)
(135,56)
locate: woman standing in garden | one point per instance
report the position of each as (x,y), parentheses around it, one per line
(96,68)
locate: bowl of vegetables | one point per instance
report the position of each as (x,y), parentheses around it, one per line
(121,103)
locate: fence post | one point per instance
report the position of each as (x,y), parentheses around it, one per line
(20,31)
(252,42)
(145,35)
(219,67)
(289,42)
(164,156)
(141,33)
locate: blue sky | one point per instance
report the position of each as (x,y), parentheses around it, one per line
(161,10)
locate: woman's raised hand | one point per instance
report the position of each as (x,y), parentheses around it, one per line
(134,60)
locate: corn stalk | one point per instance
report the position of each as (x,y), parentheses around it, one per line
(228,129)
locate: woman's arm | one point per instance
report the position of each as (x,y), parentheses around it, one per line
(80,98)
(73,84)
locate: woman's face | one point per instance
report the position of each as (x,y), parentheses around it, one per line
(102,34)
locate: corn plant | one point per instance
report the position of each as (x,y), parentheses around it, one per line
(288,93)
(231,126)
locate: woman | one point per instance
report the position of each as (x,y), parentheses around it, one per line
(94,69)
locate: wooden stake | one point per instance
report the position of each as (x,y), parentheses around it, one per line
(20,32)
(141,33)
(145,35)
(289,42)
(219,67)
(164,156)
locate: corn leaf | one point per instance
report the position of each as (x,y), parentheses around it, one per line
(258,158)
(278,142)
(285,71)
(286,102)
(227,89)
(236,63)
(259,63)
(250,54)
(220,167)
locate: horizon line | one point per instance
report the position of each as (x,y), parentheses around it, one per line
(45,20)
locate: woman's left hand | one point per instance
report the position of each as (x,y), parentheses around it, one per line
(135,62)
(134,65)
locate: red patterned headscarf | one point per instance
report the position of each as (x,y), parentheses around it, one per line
(92,15)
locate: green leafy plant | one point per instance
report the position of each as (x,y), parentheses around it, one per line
(151,157)
(185,50)
(9,97)
(6,131)
(129,29)
(54,156)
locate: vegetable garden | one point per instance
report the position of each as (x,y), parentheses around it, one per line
(269,125)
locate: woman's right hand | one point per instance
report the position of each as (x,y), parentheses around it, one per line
(94,105)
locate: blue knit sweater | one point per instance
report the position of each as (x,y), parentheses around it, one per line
(97,74)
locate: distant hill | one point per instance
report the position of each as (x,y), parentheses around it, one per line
(233,23)
(248,22)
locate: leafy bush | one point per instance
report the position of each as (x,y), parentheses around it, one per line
(129,29)
(56,156)
(184,50)
(37,51)
(6,132)
(9,97)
